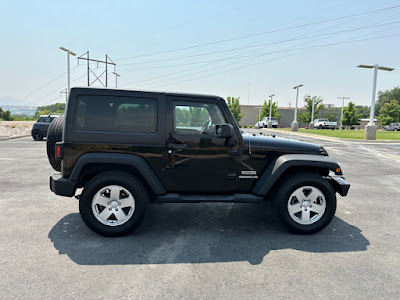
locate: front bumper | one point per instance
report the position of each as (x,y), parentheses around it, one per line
(62,186)
(340,184)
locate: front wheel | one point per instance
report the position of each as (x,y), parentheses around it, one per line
(37,135)
(113,203)
(305,203)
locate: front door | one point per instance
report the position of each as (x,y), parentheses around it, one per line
(197,159)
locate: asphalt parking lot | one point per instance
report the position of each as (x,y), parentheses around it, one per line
(201,251)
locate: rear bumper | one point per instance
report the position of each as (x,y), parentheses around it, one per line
(340,184)
(62,186)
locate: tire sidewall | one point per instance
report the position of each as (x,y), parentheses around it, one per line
(283,198)
(37,135)
(96,184)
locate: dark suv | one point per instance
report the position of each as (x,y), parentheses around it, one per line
(39,129)
(128,149)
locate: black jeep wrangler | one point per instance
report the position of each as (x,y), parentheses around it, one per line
(128,149)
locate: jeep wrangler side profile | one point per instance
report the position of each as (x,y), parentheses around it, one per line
(128,149)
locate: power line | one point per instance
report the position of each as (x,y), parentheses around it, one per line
(246,47)
(258,63)
(258,34)
(293,48)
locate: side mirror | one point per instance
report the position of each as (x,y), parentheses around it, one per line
(226,131)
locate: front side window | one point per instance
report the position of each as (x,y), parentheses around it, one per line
(197,118)
(116,114)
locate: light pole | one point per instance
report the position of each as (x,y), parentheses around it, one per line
(116,78)
(341,117)
(69,52)
(259,113)
(295,125)
(370,129)
(269,124)
(311,125)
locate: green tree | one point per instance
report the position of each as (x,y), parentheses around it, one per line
(52,108)
(305,117)
(5,115)
(234,106)
(386,97)
(331,116)
(389,113)
(350,116)
(274,110)
(364,111)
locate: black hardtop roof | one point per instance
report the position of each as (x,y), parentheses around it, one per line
(106,90)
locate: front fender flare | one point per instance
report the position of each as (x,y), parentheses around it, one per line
(284,162)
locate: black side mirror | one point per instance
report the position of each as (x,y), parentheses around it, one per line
(226,131)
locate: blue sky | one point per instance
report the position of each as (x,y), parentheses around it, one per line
(213,47)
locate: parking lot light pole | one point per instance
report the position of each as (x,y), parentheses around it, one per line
(69,52)
(370,129)
(269,124)
(341,117)
(311,125)
(295,125)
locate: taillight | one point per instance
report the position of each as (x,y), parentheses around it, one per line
(58,151)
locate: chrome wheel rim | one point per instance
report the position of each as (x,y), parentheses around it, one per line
(306,205)
(113,205)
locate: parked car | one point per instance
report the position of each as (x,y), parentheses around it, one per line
(392,127)
(129,149)
(39,129)
(264,122)
(324,124)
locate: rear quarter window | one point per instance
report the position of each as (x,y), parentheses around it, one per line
(116,114)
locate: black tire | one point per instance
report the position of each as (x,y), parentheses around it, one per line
(54,135)
(395,129)
(37,135)
(114,178)
(320,127)
(294,182)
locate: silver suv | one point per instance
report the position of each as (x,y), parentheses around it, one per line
(392,127)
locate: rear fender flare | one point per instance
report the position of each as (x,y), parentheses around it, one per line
(134,161)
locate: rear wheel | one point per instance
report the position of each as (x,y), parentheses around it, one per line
(54,135)
(113,203)
(305,203)
(37,135)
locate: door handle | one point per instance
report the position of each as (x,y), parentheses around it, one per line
(177,146)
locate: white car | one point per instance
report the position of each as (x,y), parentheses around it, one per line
(324,124)
(264,122)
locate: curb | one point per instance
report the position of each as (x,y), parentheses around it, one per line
(333,139)
(13,137)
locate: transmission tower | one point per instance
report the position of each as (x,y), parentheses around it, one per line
(107,62)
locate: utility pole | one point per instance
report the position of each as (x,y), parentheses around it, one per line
(69,52)
(66,95)
(295,125)
(269,124)
(370,129)
(116,78)
(248,93)
(341,116)
(107,62)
